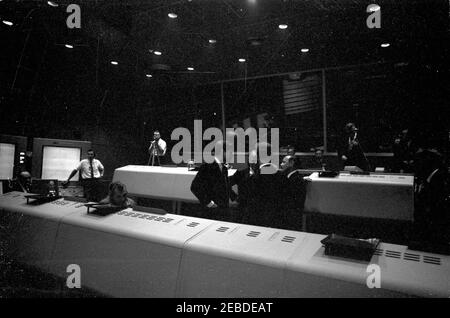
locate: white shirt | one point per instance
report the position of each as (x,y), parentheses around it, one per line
(85,168)
(162,144)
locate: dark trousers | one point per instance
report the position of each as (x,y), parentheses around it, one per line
(92,189)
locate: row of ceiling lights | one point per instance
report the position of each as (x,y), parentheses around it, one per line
(173,15)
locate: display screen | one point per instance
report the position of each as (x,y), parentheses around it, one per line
(58,162)
(7,152)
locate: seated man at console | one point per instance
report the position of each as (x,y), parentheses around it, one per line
(22,183)
(118,196)
(319,160)
(211,186)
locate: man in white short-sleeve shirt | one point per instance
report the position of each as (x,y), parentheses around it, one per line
(91,170)
(157,150)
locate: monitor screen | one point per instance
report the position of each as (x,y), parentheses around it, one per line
(7,152)
(58,162)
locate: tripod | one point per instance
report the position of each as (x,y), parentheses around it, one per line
(153,154)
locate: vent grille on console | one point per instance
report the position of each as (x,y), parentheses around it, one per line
(393,254)
(253,234)
(288,239)
(145,216)
(378,252)
(222,229)
(413,257)
(193,224)
(432,260)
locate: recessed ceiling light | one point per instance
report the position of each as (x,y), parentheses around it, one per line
(7,22)
(385,45)
(157,52)
(283,26)
(304,50)
(114,62)
(241,60)
(173,15)
(190,68)
(212,41)
(52,3)
(149,75)
(69,46)
(374,7)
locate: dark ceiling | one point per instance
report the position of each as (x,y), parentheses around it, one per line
(334,31)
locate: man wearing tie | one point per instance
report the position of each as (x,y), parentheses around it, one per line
(157,150)
(350,152)
(91,170)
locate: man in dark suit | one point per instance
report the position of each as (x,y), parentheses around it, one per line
(349,151)
(212,188)
(292,193)
(432,197)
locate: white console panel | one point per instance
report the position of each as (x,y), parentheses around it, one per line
(134,254)
(311,273)
(236,260)
(32,229)
(128,254)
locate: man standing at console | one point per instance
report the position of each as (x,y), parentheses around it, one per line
(157,150)
(91,170)
(350,152)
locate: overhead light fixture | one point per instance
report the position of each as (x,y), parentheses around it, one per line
(282,26)
(212,41)
(52,3)
(114,62)
(190,68)
(157,52)
(149,75)
(7,22)
(385,45)
(241,60)
(173,15)
(69,46)
(304,50)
